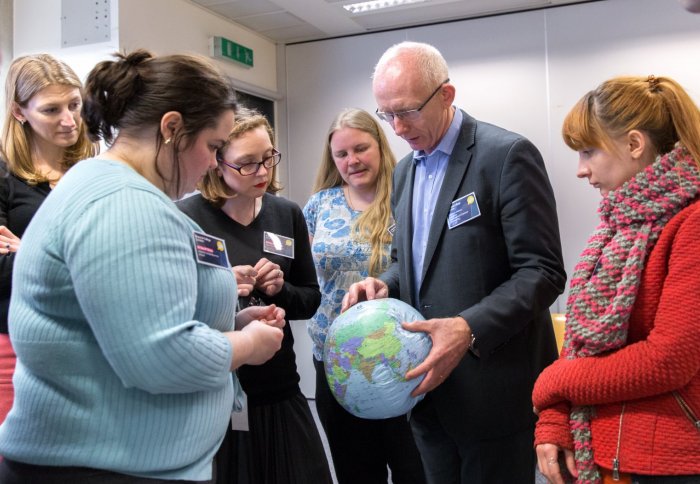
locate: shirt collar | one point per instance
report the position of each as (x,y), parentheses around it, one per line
(448,141)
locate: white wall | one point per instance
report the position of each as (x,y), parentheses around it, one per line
(162,26)
(175,26)
(37,28)
(5,47)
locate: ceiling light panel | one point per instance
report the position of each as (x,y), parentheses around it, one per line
(374,5)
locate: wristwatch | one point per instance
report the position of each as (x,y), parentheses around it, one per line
(472,345)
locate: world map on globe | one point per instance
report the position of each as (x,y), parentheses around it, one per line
(367,354)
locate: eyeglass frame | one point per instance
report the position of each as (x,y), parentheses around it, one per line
(275,155)
(389,117)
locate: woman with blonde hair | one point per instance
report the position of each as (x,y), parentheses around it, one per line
(350,224)
(271,258)
(623,400)
(42,137)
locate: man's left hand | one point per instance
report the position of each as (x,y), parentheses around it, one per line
(451,338)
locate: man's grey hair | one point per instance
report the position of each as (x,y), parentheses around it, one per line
(426,58)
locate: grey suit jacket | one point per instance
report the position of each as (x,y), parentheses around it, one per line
(500,271)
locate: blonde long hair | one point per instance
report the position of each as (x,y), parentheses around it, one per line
(372,225)
(657,106)
(26,77)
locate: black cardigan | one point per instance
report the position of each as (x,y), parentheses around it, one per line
(300,297)
(19,202)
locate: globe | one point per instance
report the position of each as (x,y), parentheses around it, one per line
(366,355)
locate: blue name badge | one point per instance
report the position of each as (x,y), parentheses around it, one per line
(463,210)
(210,250)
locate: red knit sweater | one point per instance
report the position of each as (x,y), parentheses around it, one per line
(662,354)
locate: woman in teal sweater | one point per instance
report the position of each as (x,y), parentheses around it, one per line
(122,311)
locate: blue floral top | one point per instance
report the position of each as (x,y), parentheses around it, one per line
(340,260)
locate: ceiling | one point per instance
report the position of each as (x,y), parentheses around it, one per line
(290,21)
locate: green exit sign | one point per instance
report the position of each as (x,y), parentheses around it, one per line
(227,49)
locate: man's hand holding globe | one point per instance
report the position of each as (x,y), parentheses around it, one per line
(450,336)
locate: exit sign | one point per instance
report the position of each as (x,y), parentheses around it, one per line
(227,49)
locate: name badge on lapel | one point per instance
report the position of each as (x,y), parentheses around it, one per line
(278,244)
(210,250)
(463,210)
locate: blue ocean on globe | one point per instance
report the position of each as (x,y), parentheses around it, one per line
(366,355)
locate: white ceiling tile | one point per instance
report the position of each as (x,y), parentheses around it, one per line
(243,8)
(297,33)
(286,21)
(270,21)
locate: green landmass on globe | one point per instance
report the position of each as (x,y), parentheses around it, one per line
(367,354)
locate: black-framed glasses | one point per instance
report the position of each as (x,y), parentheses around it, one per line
(409,115)
(252,168)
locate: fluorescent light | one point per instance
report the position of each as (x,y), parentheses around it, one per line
(362,7)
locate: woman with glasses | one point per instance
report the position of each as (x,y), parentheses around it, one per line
(349,219)
(268,248)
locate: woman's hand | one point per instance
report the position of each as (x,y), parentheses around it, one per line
(365,290)
(256,343)
(9,242)
(549,463)
(245,279)
(264,341)
(258,335)
(270,278)
(270,315)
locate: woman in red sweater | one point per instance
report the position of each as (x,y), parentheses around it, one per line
(623,401)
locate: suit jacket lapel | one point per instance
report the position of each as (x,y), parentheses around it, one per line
(404,213)
(454,176)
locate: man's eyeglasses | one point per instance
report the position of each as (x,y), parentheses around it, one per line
(409,115)
(251,168)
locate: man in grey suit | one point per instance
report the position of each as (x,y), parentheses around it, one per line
(476,250)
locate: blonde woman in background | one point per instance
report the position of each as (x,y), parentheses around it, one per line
(350,225)
(43,136)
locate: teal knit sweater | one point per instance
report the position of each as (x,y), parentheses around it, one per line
(121,361)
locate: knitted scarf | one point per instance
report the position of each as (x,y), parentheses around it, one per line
(605,281)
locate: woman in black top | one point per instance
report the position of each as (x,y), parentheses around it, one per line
(42,137)
(268,247)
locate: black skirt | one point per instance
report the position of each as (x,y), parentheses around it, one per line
(283,446)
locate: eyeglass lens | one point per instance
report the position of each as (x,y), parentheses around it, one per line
(252,168)
(410,114)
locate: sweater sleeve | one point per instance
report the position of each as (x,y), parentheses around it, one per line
(132,264)
(666,360)
(553,427)
(300,295)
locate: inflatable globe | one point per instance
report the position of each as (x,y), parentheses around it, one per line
(366,355)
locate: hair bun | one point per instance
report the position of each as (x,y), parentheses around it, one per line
(112,87)
(136,57)
(653,82)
